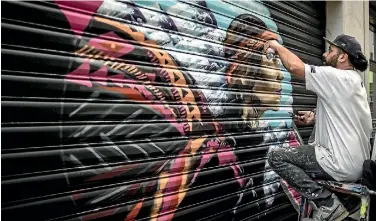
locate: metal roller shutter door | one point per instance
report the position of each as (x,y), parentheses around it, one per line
(149,110)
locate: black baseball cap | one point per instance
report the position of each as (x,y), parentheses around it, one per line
(348,44)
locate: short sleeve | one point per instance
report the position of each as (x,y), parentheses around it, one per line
(320,79)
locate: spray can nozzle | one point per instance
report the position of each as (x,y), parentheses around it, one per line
(270,54)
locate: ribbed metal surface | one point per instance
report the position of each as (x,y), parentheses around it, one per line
(372,16)
(149,110)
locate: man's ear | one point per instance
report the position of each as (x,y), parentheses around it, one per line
(343,57)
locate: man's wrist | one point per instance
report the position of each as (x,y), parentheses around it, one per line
(277,47)
(273,44)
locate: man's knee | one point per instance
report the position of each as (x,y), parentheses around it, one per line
(274,157)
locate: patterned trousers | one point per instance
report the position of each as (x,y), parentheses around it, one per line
(299,167)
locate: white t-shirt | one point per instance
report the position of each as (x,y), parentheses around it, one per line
(343,121)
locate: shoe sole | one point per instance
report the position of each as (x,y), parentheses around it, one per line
(342,217)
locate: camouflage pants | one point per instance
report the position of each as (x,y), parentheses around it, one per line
(299,167)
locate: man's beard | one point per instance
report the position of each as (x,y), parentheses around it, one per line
(332,62)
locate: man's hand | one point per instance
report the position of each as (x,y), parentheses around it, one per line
(305,118)
(273,44)
(291,62)
(268,35)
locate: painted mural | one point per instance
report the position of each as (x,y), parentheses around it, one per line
(172,97)
(116,62)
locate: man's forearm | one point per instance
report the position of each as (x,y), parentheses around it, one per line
(291,62)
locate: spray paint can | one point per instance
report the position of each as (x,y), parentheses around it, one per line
(270,53)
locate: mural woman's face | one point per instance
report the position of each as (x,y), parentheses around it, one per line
(270,86)
(267,88)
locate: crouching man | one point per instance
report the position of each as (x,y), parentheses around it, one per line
(342,125)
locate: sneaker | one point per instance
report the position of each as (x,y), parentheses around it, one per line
(333,210)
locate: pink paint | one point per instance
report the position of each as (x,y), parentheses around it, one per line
(294,144)
(80,75)
(166,217)
(76,197)
(100,214)
(147,94)
(166,203)
(116,78)
(168,115)
(78,21)
(100,76)
(293,141)
(226,155)
(294,196)
(87,6)
(236,169)
(177,165)
(173,183)
(229,157)
(151,76)
(116,48)
(212,143)
(206,156)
